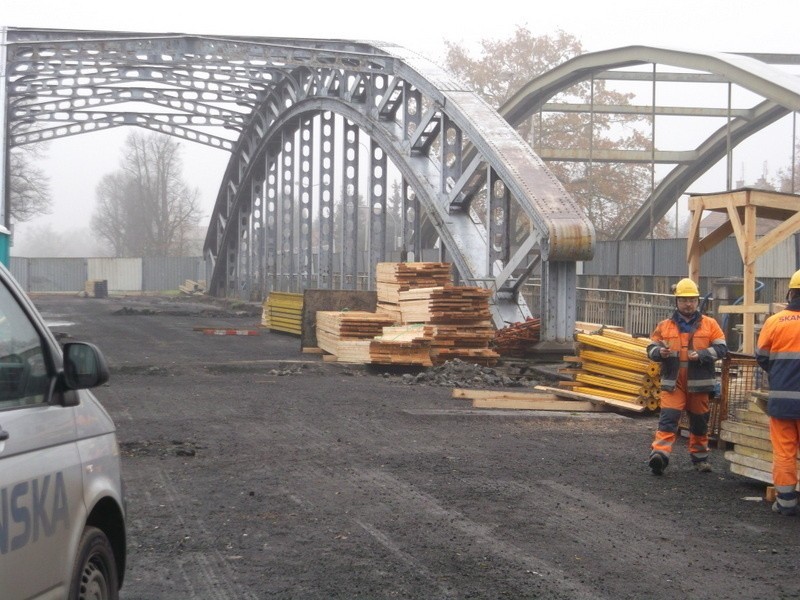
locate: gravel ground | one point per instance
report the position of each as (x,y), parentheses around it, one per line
(254,471)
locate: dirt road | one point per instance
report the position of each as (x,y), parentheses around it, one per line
(255,471)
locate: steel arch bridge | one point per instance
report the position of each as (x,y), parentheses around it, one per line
(318,130)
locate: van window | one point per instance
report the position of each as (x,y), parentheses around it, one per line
(23,370)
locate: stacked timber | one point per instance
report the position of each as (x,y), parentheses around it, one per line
(614,364)
(393,278)
(449,305)
(460,318)
(283,311)
(438,321)
(518,339)
(190,287)
(748,431)
(348,334)
(402,345)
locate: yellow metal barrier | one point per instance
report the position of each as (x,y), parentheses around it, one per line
(283,311)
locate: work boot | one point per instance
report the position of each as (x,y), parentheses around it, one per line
(702,466)
(785,504)
(789,511)
(657,463)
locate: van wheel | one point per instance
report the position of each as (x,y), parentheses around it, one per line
(94,576)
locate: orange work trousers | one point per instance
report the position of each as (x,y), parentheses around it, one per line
(785,435)
(696,405)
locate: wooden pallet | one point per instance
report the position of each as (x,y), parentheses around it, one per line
(751,455)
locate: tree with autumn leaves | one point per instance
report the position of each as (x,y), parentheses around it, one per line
(610,193)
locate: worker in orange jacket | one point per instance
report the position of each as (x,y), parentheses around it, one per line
(778,353)
(687,345)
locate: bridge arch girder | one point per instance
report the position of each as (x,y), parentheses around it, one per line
(377,104)
(780,90)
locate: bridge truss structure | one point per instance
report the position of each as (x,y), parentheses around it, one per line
(344,154)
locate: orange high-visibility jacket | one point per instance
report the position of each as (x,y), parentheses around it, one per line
(778,353)
(707,339)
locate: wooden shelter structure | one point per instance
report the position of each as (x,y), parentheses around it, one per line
(743,208)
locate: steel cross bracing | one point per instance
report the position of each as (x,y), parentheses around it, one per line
(779,90)
(421,125)
(296,116)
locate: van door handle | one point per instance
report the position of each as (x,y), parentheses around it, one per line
(3,435)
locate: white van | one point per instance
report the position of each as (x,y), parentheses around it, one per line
(62,512)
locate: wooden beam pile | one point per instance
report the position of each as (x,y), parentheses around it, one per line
(402,345)
(749,433)
(517,339)
(439,321)
(191,287)
(614,364)
(348,334)
(461,321)
(393,278)
(450,305)
(537,400)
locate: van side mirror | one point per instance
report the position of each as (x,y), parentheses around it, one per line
(84,366)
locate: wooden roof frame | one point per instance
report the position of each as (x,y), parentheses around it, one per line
(743,208)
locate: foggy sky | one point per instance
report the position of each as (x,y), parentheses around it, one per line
(77,163)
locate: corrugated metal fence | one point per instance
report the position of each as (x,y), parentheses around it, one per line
(667,258)
(640,265)
(123,274)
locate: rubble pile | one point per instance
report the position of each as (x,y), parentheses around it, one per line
(457,373)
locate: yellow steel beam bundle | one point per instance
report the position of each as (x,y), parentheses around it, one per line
(621,336)
(611,359)
(624,375)
(604,393)
(626,349)
(283,311)
(612,384)
(614,365)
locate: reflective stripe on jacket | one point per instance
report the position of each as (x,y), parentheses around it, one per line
(707,340)
(778,353)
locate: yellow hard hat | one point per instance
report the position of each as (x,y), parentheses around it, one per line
(686,288)
(794,282)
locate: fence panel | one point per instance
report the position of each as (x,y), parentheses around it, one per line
(122,274)
(167,273)
(19,268)
(56,274)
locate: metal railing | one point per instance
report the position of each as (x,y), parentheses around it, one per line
(637,313)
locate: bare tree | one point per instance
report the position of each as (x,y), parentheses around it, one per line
(146,208)
(45,241)
(609,193)
(29,186)
(788,178)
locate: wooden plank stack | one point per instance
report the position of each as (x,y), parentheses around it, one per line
(348,334)
(283,311)
(460,318)
(393,278)
(536,400)
(749,433)
(449,305)
(190,287)
(614,364)
(402,345)
(421,319)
